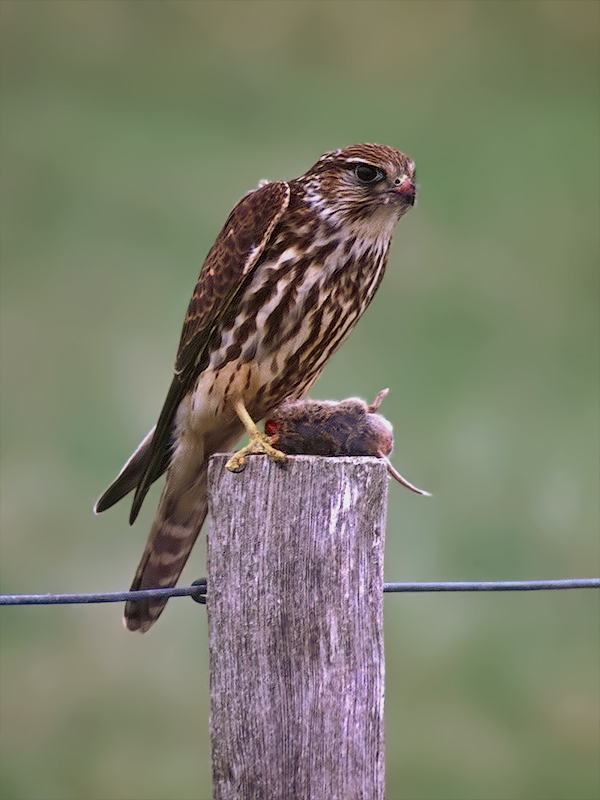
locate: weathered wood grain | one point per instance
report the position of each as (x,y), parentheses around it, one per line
(295,612)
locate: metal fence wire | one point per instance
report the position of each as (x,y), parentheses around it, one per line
(197,591)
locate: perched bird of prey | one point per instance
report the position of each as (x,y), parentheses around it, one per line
(326,428)
(294,267)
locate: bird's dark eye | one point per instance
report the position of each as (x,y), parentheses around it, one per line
(368,174)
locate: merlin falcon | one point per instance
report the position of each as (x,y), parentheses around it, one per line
(289,275)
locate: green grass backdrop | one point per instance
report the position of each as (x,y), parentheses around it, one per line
(128,131)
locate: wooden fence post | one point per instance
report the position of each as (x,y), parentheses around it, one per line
(295,615)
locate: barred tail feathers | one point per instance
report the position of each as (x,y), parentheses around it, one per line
(179,517)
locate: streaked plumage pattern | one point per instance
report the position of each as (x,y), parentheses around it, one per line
(328,428)
(290,273)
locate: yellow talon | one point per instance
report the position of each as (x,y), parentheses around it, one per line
(259,443)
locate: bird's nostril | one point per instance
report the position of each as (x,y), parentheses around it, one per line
(406,188)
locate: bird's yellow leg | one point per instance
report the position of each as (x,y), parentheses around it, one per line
(260,443)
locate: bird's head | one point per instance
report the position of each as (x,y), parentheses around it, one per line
(364,184)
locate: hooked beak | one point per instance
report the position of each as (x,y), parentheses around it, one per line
(406,189)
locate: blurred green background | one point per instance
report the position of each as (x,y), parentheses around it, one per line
(128,131)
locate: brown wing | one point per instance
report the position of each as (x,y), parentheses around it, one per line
(231,259)
(129,477)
